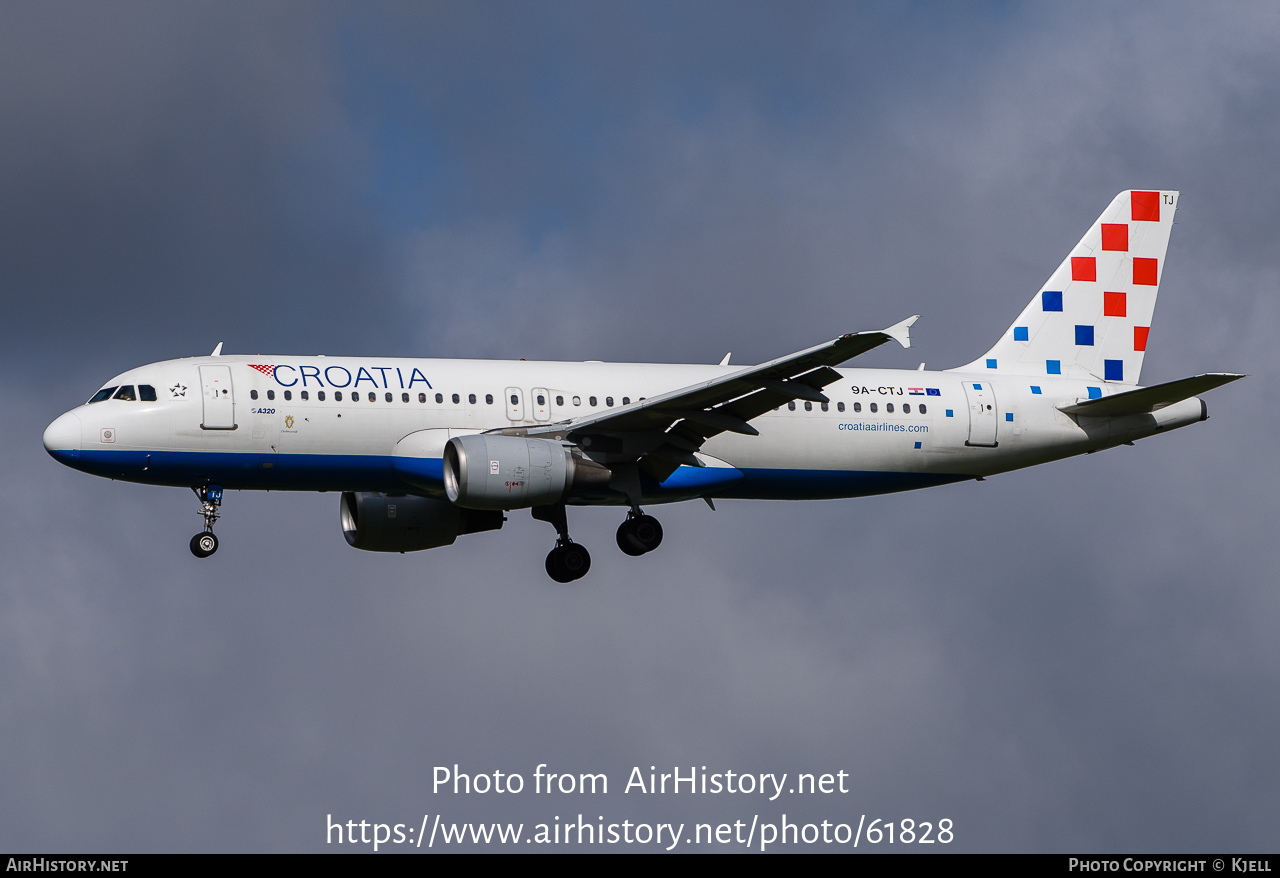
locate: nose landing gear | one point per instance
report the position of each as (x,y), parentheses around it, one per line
(639,534)
(205,543)
(568,560)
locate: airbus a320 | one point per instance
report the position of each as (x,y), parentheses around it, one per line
(426,450)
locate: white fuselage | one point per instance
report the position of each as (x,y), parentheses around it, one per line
(278,423)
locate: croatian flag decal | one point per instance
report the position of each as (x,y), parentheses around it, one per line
(915,391)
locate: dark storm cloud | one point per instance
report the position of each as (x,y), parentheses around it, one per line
(1077,656)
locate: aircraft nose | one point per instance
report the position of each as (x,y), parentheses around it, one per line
(62,439)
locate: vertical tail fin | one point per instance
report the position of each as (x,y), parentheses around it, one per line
(1090,319)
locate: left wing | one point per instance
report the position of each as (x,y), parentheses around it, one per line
(663,431)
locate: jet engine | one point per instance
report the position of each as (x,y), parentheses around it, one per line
(489,471)
(405,523)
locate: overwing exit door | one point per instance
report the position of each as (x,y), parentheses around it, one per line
(983,418)
(219,398)
(541,404)
(515,404)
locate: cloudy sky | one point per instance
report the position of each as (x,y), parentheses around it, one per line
(1080,657)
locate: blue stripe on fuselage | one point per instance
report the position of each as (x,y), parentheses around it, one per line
(356,472)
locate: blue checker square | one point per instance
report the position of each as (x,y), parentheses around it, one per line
(1084,335)
(1051,300)
(1053,367)
(1095,393)
(1020,334)
(950,413)
(1035,388)
(1113,370)
(991,364)
(1008,416)
(978,386)
(917,445)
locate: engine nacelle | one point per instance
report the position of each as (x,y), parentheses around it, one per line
(489,471)
(406,523)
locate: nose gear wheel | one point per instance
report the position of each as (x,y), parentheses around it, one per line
(205,543)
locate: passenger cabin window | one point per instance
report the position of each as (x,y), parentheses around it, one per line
(542,400)
(515,400)
(923,410)
(577,400)
(791,406)
(906,408)
(422,397)
(404,397)
(824,407)
(271,394)
(591,400)
(839,406)
(104,393)
(873,407)
(857,406)
(320,395)
(488,399)
(355,396)
(471,398)
(456,399)
(559,400)
(439,398)
(388,396)
(253,394)
(337,395)
(288,394)
(373,397)
(608,401)
(125,393)
(305,395)
(626,400)
(888,407)
(146,393)
(808,406)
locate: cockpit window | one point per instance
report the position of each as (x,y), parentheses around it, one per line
(146,393)
(104,393)
(125,393)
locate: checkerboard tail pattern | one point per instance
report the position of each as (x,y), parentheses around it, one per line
(1091,318)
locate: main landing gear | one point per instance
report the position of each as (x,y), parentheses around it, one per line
(639,534)
(568,560)
(205,543)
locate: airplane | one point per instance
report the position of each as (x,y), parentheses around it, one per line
(426,450)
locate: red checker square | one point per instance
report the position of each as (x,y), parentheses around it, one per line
(1085,268)
(1115,304)
(1145,206)
(1115,236)
(1144,271)
(1140,337)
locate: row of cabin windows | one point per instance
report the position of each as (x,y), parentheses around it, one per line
(857,407)
(354,396)
(145,393)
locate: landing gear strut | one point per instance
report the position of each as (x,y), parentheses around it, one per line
(205,543)
(568,560)
(639,534)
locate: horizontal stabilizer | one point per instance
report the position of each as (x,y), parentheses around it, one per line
(1149,399)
